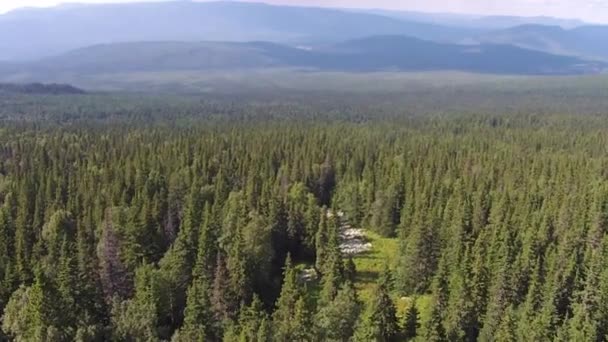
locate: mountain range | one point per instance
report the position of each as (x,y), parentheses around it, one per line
(184,35)
(39,88)
(36,33)
(584,41)
(377,53)
(493,22)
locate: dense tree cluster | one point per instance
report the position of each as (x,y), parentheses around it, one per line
(168,233)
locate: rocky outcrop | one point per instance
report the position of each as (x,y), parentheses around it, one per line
(353,241)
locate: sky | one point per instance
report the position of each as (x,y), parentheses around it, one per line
(590,10)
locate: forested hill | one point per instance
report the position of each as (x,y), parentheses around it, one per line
(202,230)
(579,41)
(39,88)
(30,34)
(377,53)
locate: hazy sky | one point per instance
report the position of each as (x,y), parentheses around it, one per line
(591,10)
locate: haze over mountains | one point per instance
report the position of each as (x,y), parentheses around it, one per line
(366,54)
(88,39)
(46,32)
(584,41)
(495,22)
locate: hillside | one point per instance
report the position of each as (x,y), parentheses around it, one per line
(580,41)
(378,53)
(32,34)
(39,88)
(493,22)
(405,53)
(36,33)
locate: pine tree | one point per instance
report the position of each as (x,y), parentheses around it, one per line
(250,320)
(206,251)
(331,279)
(31,312)
(57,233)
(335,321)
(7,283)
(138,318)
(24,240)
(302,325)
(264,331)
(193,214)
(283,316)
(321,241)
(312,223)
(350,270)
(507,330)
(220,296)
(411,322)
(68,289)
(434,330)
(196,314)
(582,326)
(462,317)
(115,278)
(601,315)
(380,320)
(499,294)
(418,259)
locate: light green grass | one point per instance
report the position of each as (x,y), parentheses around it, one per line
(369,267)
(423,303)
(371,264)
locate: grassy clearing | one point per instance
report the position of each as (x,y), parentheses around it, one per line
(371,264)
(422,302)
(369,267)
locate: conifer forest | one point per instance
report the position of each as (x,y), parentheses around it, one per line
(467,215)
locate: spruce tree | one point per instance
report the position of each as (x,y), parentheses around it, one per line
(507,330)
(301,324)
(411,323)
(335,321)
(290,294)
(380,319)
(197,316)
(32,313)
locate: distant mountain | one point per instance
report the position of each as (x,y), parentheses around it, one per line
(377,53)
(36,33)
(39,88)
(405,53)
(584,41)
(494,22)
(497,21)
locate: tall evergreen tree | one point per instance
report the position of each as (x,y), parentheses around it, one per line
(411,322)
(380,320)
(335,321)
(197,316)
(284,314)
